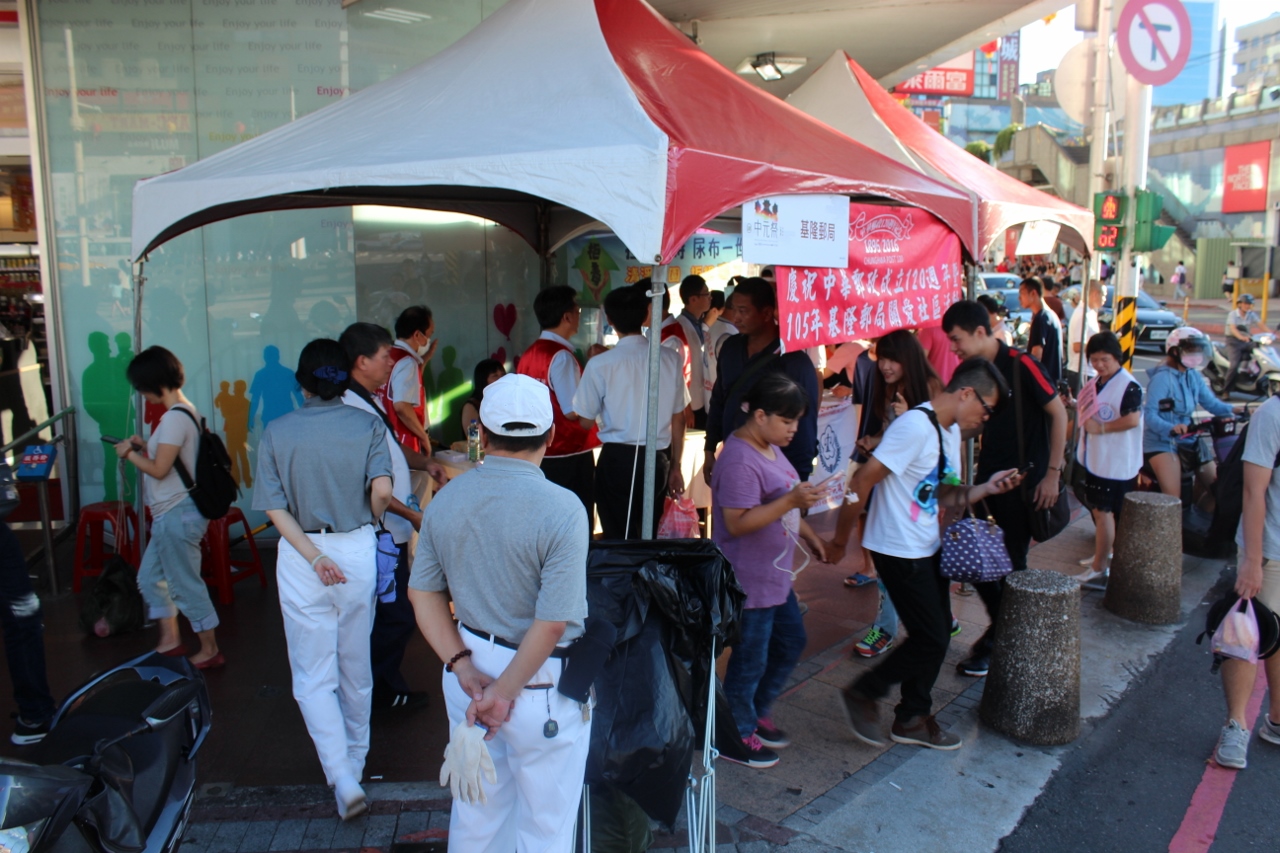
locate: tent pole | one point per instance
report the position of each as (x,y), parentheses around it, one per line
(656,290)
(139,405)
(544,246)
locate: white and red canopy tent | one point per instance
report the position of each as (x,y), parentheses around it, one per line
(551,116)
(846,97)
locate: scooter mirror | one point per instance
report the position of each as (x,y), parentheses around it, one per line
(171,703)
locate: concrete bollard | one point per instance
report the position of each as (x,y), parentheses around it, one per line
(1032,692)
(1146,571)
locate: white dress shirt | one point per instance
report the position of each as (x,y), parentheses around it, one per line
(697,361)
(613,392)
(563,373)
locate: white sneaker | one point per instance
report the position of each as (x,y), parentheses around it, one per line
(351,798)
(1233,747)
(1269,731)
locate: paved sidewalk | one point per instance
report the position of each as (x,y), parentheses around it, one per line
(829,792)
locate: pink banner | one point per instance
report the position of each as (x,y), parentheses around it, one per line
(904,272)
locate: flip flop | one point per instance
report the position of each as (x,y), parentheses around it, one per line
(858,579)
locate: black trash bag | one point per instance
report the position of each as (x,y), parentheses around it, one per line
(618,824)
(642,739)
(675,604)
(114,604)
(689,580)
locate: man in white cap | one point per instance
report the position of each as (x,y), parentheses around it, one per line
(510,548)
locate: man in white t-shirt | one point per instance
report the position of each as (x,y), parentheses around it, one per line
(1083,326)
(1242,323)
(915,475)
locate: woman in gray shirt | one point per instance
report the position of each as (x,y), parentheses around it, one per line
(169,576)
(324,477)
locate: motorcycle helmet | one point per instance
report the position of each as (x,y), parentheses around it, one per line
(1194,349)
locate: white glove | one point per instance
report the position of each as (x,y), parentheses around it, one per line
(466,761)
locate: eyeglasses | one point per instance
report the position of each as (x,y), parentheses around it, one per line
(990,410)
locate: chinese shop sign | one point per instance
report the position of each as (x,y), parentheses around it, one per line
(903,272)
(801,230)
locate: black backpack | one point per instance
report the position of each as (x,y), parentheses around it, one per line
(214,490)
(1229,492)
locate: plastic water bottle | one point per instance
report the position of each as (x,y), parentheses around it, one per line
(473,442)
(412,503)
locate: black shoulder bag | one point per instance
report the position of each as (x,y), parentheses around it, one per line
(1044,524)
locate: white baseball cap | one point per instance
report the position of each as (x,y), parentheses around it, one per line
(516,399)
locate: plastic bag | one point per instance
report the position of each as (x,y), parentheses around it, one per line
(113,605)
(388,558)
(679,520)
(1237,634)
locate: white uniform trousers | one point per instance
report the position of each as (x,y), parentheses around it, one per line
(533,805)
(327,629)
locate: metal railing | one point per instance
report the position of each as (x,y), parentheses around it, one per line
(71,478)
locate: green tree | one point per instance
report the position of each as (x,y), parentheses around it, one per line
(1004,140)
(981,149)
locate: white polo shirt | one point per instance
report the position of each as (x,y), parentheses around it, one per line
(612,391)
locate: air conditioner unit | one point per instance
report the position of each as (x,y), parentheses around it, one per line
(1271,95)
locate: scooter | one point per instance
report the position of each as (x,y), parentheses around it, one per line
(117,771)
(1259,372)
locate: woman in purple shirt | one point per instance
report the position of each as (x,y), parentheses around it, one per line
(757,498)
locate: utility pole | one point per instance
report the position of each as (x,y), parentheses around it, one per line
(1137,136)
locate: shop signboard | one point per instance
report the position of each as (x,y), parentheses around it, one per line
(902,272)
(1244,177)
(1010,55)
(801,230)
(597,264)
(950,78)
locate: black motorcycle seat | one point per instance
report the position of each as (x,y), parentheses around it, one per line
(109,713)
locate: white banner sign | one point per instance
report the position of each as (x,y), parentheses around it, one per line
(1038,237)
(796,231)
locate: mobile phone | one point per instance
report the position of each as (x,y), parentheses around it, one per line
(111,439)
(1022,472)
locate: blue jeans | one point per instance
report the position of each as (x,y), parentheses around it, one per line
(772,641)
(169,577)
(23,632)
(887,618)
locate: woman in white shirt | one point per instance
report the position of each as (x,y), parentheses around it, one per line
(1109,445)
(169,576)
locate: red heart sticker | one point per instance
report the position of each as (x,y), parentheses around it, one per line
(504,317)
(500,356)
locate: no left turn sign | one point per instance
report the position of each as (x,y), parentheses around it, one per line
(1154,37)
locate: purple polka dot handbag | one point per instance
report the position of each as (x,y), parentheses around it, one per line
(973,550)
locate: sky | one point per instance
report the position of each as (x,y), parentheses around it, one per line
(1050,42)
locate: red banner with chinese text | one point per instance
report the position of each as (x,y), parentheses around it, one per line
(904,272)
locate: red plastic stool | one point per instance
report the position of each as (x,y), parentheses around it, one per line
(219,570)
(92,524)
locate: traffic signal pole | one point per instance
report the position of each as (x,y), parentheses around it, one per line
(1137,138)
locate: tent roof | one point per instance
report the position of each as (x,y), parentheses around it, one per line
(549,115)
(846,97)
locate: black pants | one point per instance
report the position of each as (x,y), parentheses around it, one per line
(575,473)
(1010,512)
(923,598)
(615,484)
(393,627)
(1237,352)
(699,418)
(23,624)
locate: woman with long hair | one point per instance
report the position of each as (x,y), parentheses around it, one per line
(903,379)
(487,372)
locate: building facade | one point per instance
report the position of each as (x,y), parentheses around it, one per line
(1257,55)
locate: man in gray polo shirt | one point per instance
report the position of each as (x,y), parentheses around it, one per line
(510,548)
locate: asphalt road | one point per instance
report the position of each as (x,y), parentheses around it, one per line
(1128,783)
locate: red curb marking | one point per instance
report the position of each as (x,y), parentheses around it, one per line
(1200,823)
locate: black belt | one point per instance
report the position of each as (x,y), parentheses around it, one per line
(506,644)
(325,529)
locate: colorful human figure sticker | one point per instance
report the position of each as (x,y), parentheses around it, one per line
(274,391)
(235,426)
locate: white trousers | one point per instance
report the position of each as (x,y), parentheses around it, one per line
(327,629)
(533,805)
